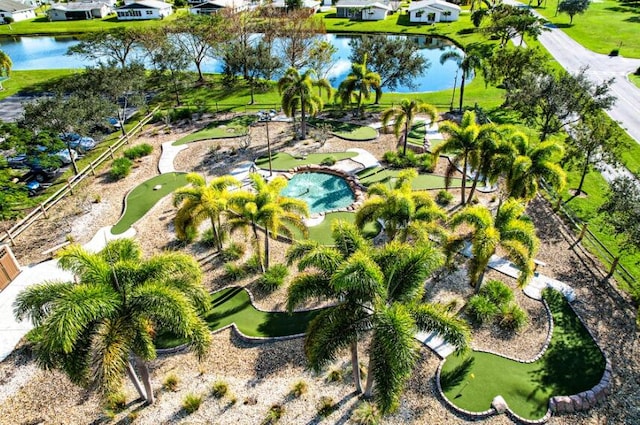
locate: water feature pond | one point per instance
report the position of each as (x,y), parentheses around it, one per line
(29,53)
(321,191)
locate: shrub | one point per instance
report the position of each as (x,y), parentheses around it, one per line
(117,401)
(171,382)
(397,160)
(481,309)
(191,402)
(208,240)
(328,161)
(234,271)
(274,277)
(138,151)
(498,292)
(120,168)
(637,71)
(326,406)
(181,114)
(512,318)
(614,52)
(444,197)
(335,376)
(366,414)
(233,252)
(274,414)
(253,264)
(299,388)
(219,389)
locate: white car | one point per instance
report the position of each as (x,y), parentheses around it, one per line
(63,155)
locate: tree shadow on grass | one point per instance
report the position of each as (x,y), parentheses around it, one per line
(451,378)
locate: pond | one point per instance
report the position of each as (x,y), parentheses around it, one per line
(29,53)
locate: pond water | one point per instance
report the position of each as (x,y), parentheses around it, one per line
(29,53)
(321,191)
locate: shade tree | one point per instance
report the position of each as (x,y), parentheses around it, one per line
(116,45)
(5,66)
(360,82)
(573,8)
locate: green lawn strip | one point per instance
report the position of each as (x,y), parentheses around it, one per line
(322,232)
(141,199)
(603,27)
(347,130)
(235,127)
(233,305)
(422,182)
(417,133)
(635,79)
(283,161)
(573,363)
(33,81)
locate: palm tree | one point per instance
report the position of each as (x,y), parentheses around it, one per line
(463,140)
(510,229)
(297,93)
(527,165)
(360,81)
(90,328)
(265,207)
(203,201)
(5,66)
(399,207)
(466,63)
(375,291)
(403,116)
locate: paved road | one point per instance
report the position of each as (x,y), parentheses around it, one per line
(573,56)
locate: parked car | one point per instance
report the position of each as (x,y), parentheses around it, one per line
(64,156)
(38,172)
(83,144)
(33,187)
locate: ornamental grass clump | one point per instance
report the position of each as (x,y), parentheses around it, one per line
(191,402)
(274,277)
(219,389)
(496,303)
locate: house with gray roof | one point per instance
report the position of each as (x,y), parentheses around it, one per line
(78,10)
(14,11)
(432,11)
(144,9)
(363,10)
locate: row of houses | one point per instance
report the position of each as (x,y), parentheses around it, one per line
(423,11)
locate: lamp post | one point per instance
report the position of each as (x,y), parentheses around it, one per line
(265,117)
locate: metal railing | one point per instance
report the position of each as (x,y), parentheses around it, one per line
(42,209)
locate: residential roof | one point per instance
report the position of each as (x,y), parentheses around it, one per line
(432,4)
(218,4)
(13,6)
(78,6)
(362,4)
(305,3)
(145,4)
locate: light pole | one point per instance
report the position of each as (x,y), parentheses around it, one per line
(265,117)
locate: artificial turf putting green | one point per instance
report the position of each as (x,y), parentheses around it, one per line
(422,182)
(233,305)
(141,199)
(322,232)
(238,126)
(573,363)
(283,161)
(347,130)
(417,133)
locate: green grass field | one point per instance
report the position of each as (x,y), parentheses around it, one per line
(605,26)
(422,182)
(347,130)
(235,127)
(573,363)
(33,81)
(141,199)
(282,161)
(635,79)
(233,305)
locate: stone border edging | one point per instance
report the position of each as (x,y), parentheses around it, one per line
(243,337)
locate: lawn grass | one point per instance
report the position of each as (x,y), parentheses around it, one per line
(34,81)
(347,130)
(235,127)
(635,79)
(282,161)
(422,182)
(233,305)
(322,232)
(605,26)
(573,363)
(141,199)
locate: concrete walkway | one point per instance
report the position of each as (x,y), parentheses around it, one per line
(364,157)
(434,341)
(168,155)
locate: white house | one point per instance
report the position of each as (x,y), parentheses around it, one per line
(78,10)
(210,7)
(313,5)
(16,11)
(144,9)
(431,11)
(362,10)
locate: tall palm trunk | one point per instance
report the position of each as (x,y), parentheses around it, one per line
(479,281)
(462,80)
(216,234)
(303,121)
(355,365)
(146,379)
(464,180)
(473,186)
(131,374)
(257,249)
(368,389)
(220,233)
(406,136)
(267,249)
(359,103)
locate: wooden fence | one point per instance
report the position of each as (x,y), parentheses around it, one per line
(90,170)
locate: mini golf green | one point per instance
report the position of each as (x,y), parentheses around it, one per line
(233,305)
(422,182)
(141,199)
(322,232)
(283,161)
(417,133)
(238,126)
(573,363)
(347,130)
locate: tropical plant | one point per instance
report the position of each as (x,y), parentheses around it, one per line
(463,140)
(298,94)
(399,207)
(466,63)
(5,66)
(265,207)
(403,116)
(375,291)
(202,201)
(90,328)
(360,81)
(510,229)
